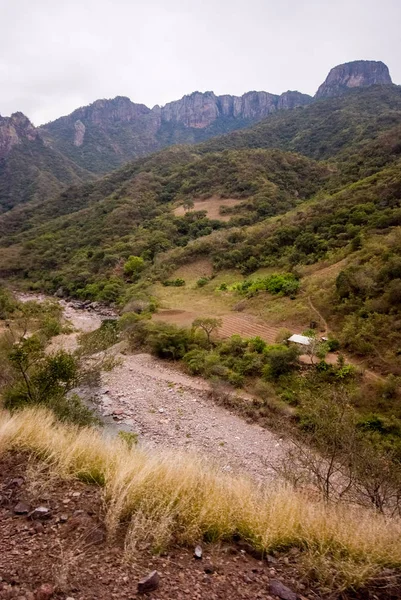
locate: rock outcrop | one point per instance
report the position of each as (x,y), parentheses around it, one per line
(200,110)
(14,130)
(359,73)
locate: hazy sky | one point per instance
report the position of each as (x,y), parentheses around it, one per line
(57,55)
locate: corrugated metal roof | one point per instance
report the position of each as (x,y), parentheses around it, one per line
(300,339)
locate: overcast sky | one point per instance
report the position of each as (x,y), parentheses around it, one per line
(57,55)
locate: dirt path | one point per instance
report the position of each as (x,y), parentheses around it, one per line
(319,314)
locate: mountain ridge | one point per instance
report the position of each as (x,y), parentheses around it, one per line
(96,139)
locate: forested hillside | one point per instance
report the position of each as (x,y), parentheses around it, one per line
(291,211)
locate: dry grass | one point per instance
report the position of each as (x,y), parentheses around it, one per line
(166,497)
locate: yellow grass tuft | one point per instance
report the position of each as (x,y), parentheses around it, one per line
(174,497)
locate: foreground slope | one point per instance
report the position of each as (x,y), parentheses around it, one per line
(171,499)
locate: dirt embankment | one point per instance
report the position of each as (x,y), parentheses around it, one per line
(65,554)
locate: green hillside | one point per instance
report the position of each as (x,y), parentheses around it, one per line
(33,172)
(291,212)
(324,128)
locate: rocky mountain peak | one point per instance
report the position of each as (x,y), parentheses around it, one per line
(14,130)
(359,73)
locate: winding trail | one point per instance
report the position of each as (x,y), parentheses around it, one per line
(319,314)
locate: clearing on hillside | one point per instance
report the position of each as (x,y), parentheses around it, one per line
(211,206)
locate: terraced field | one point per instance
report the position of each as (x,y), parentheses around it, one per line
(243,324)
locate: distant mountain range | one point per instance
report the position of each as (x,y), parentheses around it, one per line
(35,163)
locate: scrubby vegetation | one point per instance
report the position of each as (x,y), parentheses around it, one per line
(335,210)
(319,404)
(30,374)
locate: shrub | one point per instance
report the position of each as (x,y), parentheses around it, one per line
(285,284)
(45,379)
(174,282)
(168,341)
(102,338)
(333,344)
(202,281)
(7,303)
(196,360)
(280,361)
(256,344)
(133,266)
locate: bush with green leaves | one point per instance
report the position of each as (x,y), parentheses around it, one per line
(179,282)
(101,338)
(202,281)
(37,377)
(281,360)
(134,266)
(8,304)
(168,341)
(284,284)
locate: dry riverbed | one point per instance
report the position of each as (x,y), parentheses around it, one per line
(167,408)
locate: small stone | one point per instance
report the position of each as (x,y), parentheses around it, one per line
(38,527)
(279,589)
(76,494)
(198,553)
(41,513)
(44,592)
(149,583)
(21,508)
(161,410)
(63,518)
(209,569)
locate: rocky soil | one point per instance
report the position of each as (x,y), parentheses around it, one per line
(62,552)
(170,409)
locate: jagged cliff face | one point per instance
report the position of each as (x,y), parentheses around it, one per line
(107,133)
(360,73)
(14,130)
(200,110)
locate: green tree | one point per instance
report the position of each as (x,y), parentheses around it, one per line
(208,325)
(188,204)
(133,266)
